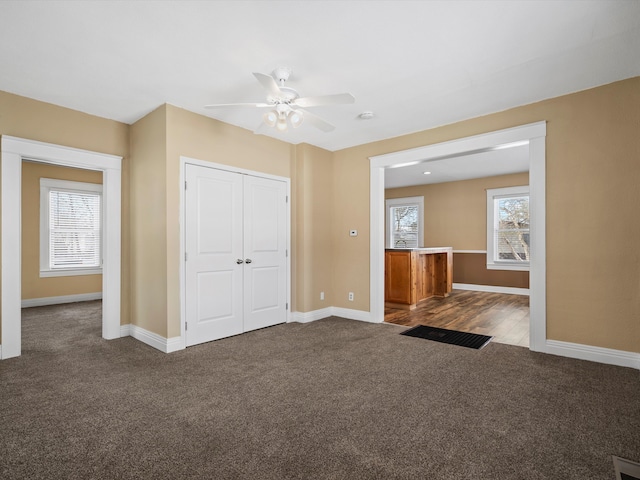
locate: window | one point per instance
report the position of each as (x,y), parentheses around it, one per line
(508,228)
(70,228)
(405,217)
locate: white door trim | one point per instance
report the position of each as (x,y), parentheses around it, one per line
(534,135)
(14,151)
(203,163)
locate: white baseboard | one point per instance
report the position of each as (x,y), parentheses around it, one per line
(304,317)
(0,352)
(166,345)
(352,314)
(174,344)
(564,349)
(80,297)
(491,289)
(594,354)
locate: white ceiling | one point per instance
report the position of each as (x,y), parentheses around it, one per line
(415,64)
(485,164)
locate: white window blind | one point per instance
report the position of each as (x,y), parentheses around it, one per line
(71,228)
(74,229)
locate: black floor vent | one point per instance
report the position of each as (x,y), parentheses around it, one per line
(626,469)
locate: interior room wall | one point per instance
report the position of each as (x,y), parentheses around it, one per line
(148,150)
(314,191)
(157,143)
(32,285)
(203,138)
(592,173)
(592,147)
(34,120)
(350,212)
(455,215)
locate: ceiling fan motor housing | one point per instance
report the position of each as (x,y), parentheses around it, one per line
(281,74)
(288,95)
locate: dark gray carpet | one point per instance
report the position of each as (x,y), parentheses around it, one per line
(333,399)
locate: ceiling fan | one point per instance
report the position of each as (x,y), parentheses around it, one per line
(285,106)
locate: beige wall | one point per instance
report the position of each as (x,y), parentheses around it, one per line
(350,212)
(30,119)
(203,138)
(157,142)
(32,285)
(455,213)
(592,147)
(471,268)
(148,147)
(314,191)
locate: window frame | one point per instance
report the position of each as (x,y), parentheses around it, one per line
(405,201)
(47,185)
(494,194)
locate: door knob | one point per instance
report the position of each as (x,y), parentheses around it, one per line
(248,260)
(239,261)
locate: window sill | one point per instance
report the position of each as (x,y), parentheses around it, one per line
(70,272)
(508,266)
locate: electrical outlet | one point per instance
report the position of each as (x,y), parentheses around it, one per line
(353,233)
(351,296)
(321,295)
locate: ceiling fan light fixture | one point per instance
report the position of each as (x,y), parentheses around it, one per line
(270,118)
(296,119)
(281,124)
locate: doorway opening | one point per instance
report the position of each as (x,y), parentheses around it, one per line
(14,151)
(254,250)
(532,135)
(490,277)
(61,250)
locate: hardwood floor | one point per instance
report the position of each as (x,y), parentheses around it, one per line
(505,317)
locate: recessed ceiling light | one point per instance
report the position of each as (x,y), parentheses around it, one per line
(426,173)
(366,115)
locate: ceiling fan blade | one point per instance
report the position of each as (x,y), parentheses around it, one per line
(269,83)
(316,121)
(337,99)
(224,105)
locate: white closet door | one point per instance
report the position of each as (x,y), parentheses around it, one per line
(265,244)
(214,232)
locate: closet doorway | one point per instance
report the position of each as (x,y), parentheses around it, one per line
(236,249)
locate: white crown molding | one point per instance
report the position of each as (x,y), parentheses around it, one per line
(42,301)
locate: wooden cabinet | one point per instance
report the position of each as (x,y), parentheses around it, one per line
(412,275)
